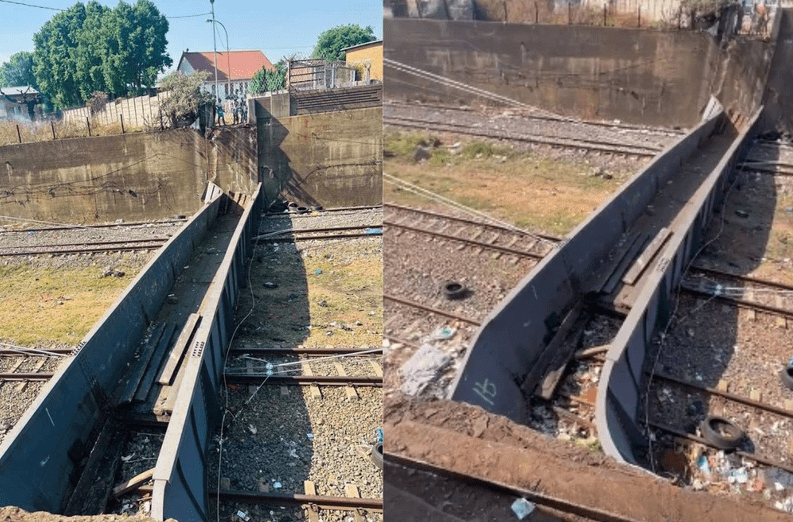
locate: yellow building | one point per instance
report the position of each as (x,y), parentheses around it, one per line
(370,55)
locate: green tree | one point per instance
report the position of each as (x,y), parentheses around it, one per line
(90,48)
(331,42)
(266,80)
(54,64)
(18,71)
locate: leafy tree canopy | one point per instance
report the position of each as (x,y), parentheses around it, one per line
(90,48)
(269,80)
(331,42)
(18,71)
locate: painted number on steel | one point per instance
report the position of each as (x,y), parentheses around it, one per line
(486,390)
(662,264)
(198,349)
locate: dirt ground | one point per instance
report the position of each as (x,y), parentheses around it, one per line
(546,191)
(15,514)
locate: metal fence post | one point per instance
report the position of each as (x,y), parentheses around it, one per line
(122,123)
(52,126)
(88,123)
(19,135)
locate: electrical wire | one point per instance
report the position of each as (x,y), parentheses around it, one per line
(31,5)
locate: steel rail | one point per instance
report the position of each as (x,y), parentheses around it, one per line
(537,497)
(95,243)
(570,121)
(750,456)
(82,250)
(471,222)
(324,380)
(473,242)
(337,209)
(26,376)
(278,233)
(302,351)
(321,501)
(607,148)
(742,278)
(311,238)
(740,303)
(36,352)
(729,396)
(105,225)
(430,309)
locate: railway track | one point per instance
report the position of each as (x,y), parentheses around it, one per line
(537,117)
(500,239)
(553,141)
(312,234)
(91,227)
(85,247)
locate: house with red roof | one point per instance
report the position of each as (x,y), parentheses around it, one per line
(235,69)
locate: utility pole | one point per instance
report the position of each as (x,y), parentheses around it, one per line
(215,46)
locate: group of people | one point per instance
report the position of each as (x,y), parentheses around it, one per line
(234,105)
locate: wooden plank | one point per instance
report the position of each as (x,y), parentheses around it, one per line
(351,491)
(566,350)
(133,483)
(750,313)
(625,252)
(92,491)
(137,371)
(154,365)
(310,489)
(538,371)
(349,390)
(315,393)
(179,349)
(643,261)
(21,386)
(378,370)
(780,321)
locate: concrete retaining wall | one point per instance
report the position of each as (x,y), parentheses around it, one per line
(35,456)
(634,75)
(333,159)
(515,334)
(134,177)
(622,382)
(180,479)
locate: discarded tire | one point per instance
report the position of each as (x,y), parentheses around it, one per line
(787,377)
(454,290)
(316,208)
(721,433)
(377,455)
(302,210)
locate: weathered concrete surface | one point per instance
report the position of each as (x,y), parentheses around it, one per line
(333,159)
(136,176)
(779,95)
(634,75)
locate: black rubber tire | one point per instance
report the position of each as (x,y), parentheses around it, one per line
(786,375)
(302,210)
(454,290)
(722,433)
(316,208)
(292,204)
(377,455)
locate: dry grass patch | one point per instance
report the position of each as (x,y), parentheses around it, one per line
(44,306)
(520,187)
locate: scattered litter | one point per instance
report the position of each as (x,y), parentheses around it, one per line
(374,231)
(788,209)
(127,458)
(738,475)
(318,271)
(293,453)
(379,433)
(252,429)
(703,465)
(779,476)
(786,505)
(422,368)
(742,213)
(323,304)
(270,285)
(372,312)
(522,508)
(277,485)
(310,435)
(443,333)
(243,516)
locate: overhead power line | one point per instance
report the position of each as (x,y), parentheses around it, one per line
(58,9)
(31,5)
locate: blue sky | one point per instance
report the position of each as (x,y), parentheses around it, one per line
(277,28)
